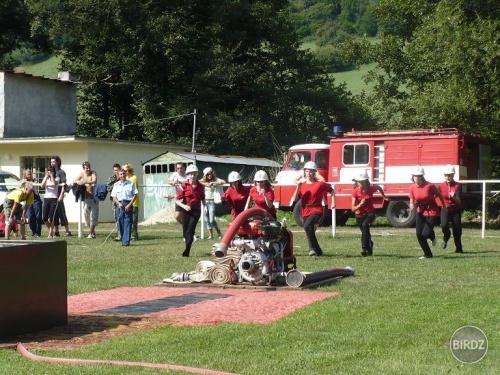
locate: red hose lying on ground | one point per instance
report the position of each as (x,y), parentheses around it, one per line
(21,349)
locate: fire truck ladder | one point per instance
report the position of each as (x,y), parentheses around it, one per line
(379,162)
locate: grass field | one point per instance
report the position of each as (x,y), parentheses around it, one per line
(395,316)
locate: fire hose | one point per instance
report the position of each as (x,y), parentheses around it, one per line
(194,370)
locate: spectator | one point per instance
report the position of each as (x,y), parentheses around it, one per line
(190,196)
(211,181)
(124,194)
(311,193)
(34,213)
(423,198)
(50,183)
(262,194)
(129,168)
(61,219)
(13,209)
(88,178)
(236,194)
(115,177)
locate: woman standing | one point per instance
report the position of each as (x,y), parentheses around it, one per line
(236,194)
(452,192)
(362,206)
(262,194)
(312,192)
(190,197)
(50,183)
(34,212)
(210,181)
(423,197)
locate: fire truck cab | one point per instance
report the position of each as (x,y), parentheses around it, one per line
(388,157)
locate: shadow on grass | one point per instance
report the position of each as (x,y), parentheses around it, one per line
(80,330)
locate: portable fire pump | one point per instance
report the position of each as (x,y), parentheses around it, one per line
(263,247)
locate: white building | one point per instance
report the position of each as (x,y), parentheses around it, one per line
(38,120)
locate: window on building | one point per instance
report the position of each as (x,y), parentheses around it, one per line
(38,166)
(357,154)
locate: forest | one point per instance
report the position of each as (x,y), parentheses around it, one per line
(242,65)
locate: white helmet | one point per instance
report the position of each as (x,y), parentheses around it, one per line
(361,176)
(233,176)
(311,165)
(418,171)
(207,170)
(261,176)
(449,169)
(191,168)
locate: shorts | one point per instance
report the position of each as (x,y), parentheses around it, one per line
(91,211)
(7,210)
(178,208)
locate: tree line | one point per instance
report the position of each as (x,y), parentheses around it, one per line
(241,66)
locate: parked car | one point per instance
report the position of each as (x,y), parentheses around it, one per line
(8,182)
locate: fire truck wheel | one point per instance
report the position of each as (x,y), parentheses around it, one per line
(297,215)
(399,215)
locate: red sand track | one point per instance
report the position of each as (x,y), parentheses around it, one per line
(258,306)
(245,305)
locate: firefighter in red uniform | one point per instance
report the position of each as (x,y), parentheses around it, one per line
(312,193)
(262,194)
(190,197)
(236,194)
(452,192)
(362,206)
(423,197)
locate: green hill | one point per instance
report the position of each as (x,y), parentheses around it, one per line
(48,67)
(353,78)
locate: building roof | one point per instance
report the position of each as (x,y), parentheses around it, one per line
(23,73)
(76,138)
(172,157)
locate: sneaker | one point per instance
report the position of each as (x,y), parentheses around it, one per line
(364,253)
(312,253)
(220,236)
(425,257)
(459,251)
(434,241)
(194,238)
(91,235)
(56,234)
(67,234)
(117,239)
(209,237)
(444,244)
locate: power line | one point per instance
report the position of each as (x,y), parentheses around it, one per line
(159,120)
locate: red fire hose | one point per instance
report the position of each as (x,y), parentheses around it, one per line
(21,349)
(221,248)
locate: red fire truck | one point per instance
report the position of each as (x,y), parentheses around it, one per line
(388,157)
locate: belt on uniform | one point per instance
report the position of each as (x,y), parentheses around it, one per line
(313,205)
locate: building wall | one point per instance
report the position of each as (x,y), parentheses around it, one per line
(35,107)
